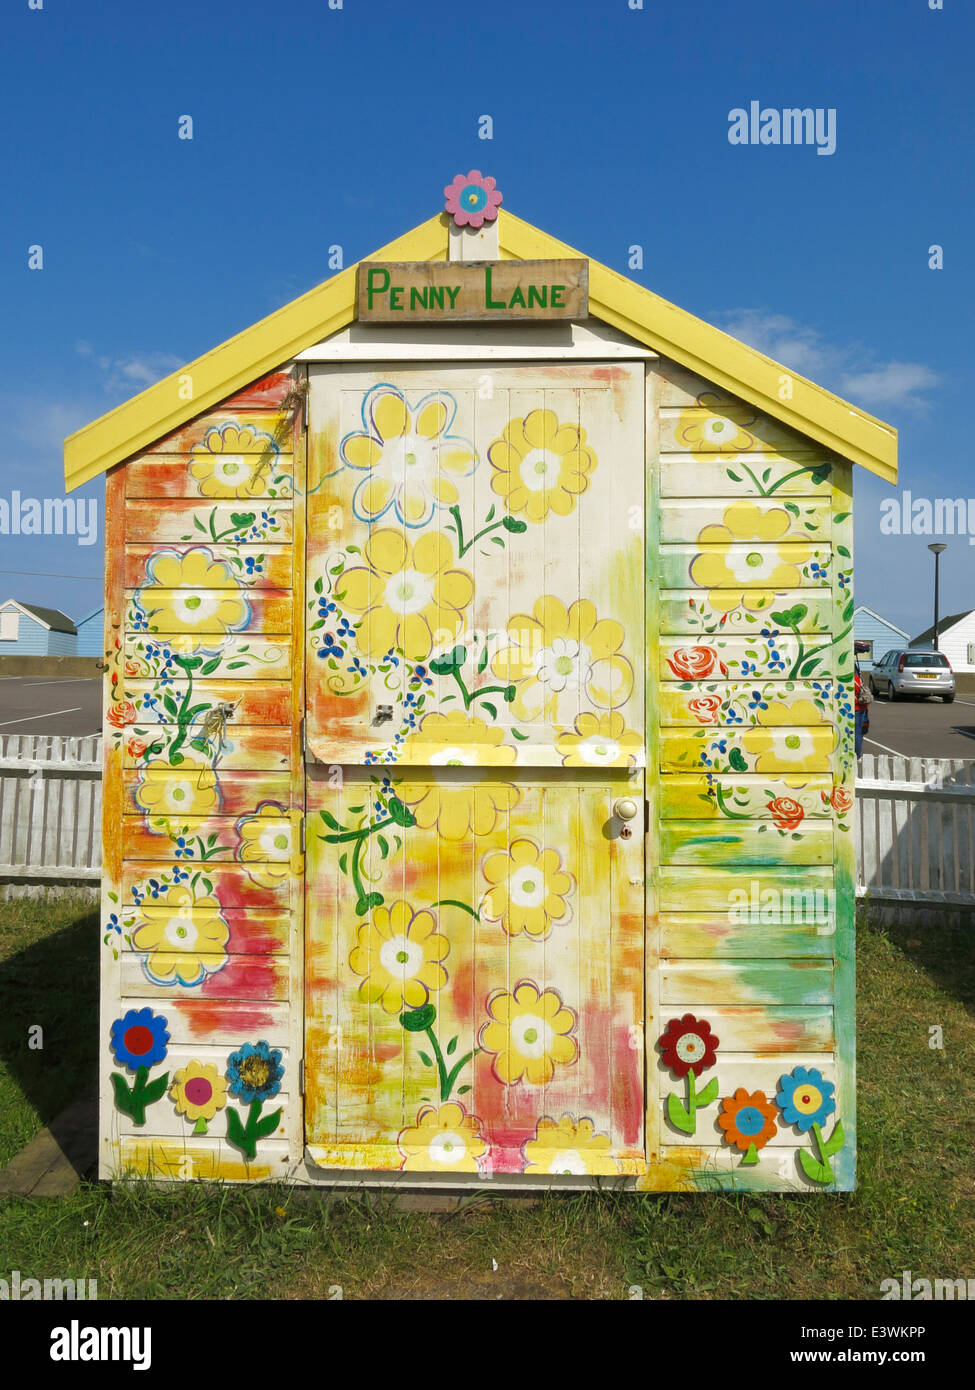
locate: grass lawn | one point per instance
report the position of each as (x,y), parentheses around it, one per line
(915,1207)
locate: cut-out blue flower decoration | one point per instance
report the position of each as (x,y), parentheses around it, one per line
(804,1098)
(139,1039)
(255,1072)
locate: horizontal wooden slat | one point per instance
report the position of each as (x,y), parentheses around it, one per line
(160,521)
(687,611)
(222,1022)
(240,657)
(254,702)
(203,1158)
(683,519)
(694,796)
(260,567)
(266,611)
(788,473)
(240,977)
(708,843)
(144,838)
(255,933)
(763,1028)
(725,889)
(710,936)
(746,981)
(252,430)
(744,565)
(231,884)
(753,657)
(244,747)
(732,429)
(267,393)
(754,1073)
(170,475)
(712,703)
(164,1121)
(781,749)
(234,793)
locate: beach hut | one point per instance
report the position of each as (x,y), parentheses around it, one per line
(26,629)
(479,739)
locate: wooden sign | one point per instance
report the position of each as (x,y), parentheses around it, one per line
(466,291)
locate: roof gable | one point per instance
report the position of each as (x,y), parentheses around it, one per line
(884,622)
(627,306)
(943,626)
(51,618)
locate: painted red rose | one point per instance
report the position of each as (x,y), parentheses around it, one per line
(785,812)
(688,1042)
(841,800)
(693,663)
(121,714)
(136,747)
(705,709)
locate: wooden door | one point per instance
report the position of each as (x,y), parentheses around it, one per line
(475,714)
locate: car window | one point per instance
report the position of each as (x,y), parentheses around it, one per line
(925,659)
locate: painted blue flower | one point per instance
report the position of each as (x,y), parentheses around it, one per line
(748,668)
(183,850)
(139,1039)
(114,924)
(770,633)
(804,1098)
(255,1072)
(329,646)
(180,874)
(816,570)
(325,607)
(733,716)
(844,579)
(253,564)
(756,702)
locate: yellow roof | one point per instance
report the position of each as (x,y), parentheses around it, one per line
(638,312)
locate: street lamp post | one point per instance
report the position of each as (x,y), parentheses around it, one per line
(936,552)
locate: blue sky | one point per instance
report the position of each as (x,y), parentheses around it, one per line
(315,126)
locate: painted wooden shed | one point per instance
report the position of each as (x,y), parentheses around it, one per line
(27,629)
(479,749)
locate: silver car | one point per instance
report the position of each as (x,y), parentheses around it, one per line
(908,671)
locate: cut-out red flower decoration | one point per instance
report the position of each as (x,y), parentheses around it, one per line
(472,199)
(688,1042)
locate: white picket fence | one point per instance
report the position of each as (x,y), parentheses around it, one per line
(50,813)
(915,823)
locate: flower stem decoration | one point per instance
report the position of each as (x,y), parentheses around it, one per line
(396,814)
(689,1048)
(139,1041)
(254,1075)
(806,1101)
(421,1020)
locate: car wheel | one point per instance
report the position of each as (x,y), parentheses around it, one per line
(948,699)
(873,689)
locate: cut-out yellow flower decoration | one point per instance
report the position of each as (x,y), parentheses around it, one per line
(409,456)
(411,597)
(557,655)
(601,740)
(175,792)
(529,889)
(192,592)
(233,461)
(540,465)
(737,573)
(717,423)
(198,1091)
(264,844)
(445,1139)
(456,809)
(399,953)
(530,1033)
(569,1147)
(790,738)
(184,939)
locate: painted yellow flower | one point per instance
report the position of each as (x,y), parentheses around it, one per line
(789,738)
(198,1092)
(732,571)
(445,1139)
(722,424)
(541,465)
(601,740)
(175,792)
(410,596)
(264,844)
(233,461)
(193,592)
(529,1034)
(409,456)
(529,889)
(556,654)
(569,1147)
(399,953)
(183,938)
(458,739)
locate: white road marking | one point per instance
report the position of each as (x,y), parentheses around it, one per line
(884,747)
(30,717)
(70,680)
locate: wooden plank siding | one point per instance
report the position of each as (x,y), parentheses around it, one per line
(752,669)
(202,810)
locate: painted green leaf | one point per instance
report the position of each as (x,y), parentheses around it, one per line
(418,1020)
(491,709)
(267,1125)
(813,1169)
(156,1089)
(210,667)
(427,1061)
(451,1046)
(329,820)
(237,1136)
(836,1140)
(678,1116)
(383,844)
(710,1093)
(736,760)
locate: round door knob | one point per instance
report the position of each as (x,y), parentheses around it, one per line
(626,808)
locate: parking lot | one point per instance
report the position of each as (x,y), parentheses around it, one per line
(35,705)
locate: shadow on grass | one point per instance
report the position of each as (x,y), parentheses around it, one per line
(944,950)
(51,982)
